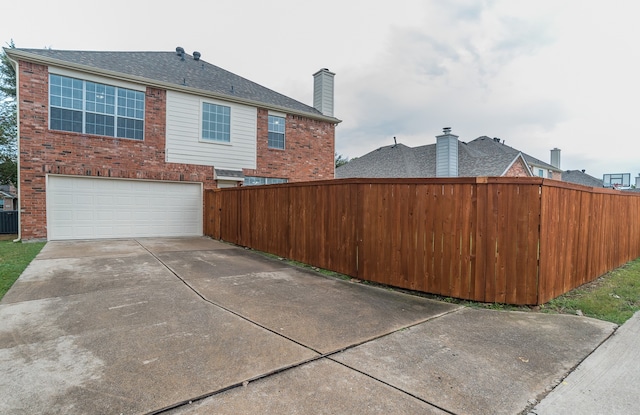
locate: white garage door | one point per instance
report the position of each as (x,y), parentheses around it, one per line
(93,208)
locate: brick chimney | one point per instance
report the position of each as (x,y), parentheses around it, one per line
(555,158)
(323,91)
(447,154)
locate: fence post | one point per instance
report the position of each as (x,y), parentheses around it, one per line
(479,253)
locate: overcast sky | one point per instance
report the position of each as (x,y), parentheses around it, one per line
(538,74)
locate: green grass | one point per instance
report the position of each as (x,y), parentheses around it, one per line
(614,297)
(14,258)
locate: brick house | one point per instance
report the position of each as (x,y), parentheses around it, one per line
(8,197)
(122,144)
(449,157)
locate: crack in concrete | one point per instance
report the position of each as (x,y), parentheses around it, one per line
(293,366)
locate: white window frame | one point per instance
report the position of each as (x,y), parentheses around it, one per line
(282,117)
(116,115)
(202,139)
(261,181)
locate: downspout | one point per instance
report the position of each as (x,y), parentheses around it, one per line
(15,68)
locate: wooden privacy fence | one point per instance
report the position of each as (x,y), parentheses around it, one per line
(506,240)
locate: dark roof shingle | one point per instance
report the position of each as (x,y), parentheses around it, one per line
(580,177)
(169,68)
(483,156)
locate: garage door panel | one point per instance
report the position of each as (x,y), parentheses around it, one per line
(93,208)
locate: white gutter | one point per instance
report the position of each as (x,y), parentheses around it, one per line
(162,85)
(15,68)
(526,165)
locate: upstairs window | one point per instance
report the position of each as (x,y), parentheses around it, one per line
(92,108)
(257,181)
(276,132)
(216,122)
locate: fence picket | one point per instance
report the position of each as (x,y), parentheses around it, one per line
(513,240)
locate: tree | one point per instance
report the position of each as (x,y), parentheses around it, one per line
(340,160)
(8,122)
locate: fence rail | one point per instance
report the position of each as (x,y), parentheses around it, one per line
(507,240)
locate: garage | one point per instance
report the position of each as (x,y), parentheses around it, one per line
(96,208)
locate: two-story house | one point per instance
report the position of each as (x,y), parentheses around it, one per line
(450,157)
(122,144)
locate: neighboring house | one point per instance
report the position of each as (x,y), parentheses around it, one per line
(122,144)
(449,157)
(580,177)
(8,197)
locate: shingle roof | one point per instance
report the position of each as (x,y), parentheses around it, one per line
(168,68)
(579,177)
(493,147)
(483,156)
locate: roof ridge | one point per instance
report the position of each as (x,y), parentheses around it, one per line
(168,70)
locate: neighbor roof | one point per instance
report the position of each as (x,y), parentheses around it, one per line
(483,156)
(169,70)
(580,177)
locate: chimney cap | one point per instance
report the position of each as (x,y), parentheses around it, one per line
(446,130)
(325,71)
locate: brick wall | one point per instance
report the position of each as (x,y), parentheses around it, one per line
(555,175)
(308,153)
(517,169)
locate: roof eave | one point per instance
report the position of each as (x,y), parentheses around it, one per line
(34,58)
(524,161)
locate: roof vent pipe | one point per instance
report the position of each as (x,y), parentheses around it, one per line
(196,56)
(179,51)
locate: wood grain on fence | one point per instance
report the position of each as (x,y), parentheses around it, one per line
(506,240)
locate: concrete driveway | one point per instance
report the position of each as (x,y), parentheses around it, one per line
(195,326)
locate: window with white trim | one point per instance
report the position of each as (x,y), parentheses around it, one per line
(216,122)
(276,132)
(93,108)
(257,181)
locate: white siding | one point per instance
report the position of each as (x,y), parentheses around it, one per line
(183,134)
(447,156)
(323,92)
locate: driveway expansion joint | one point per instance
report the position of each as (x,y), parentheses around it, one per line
(235,313)
(113,328)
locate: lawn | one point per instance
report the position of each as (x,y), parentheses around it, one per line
(614,297)
(14,258)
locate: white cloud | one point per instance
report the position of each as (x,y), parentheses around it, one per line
(538,74)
